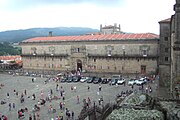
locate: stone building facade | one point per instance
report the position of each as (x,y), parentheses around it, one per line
(109,53)
(169,61)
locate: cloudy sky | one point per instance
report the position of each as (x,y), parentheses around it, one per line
(136,16)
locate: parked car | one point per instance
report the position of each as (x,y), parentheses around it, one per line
(105,80)
(115,79)
(84,79)
(121,81)
(132,81)
(90,79)
(76,78)
(69,79)
(63,79)
(97,80)
(141,81)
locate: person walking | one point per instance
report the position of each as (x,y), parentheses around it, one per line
(14,105)
(88,88)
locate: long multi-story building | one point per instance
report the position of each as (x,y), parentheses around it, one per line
(104,53)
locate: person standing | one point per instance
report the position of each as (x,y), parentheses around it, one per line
(9,106)
(7,95)
(72,113)
(88,88)
(25,92)
(77,99)
(100,87)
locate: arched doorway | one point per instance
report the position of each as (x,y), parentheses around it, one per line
(79,65)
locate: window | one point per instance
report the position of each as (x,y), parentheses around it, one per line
(108,67)
(144,52)
(166,50)
(78,50)
(115,68)
(166,59)
(94,60)
(166,38)
(94,67)
(143,69)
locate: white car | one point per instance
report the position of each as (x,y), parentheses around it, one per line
(141,81)
(132,82)
(121,81)
(83,79)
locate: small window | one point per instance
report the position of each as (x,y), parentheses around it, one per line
(166,38)
(94,60)
(144,53)
(108,68)
(115,68)
(60,59)
(78,50)
(166,50)
(166,59)
(94,67)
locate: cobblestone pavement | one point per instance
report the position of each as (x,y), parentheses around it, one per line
(20,83)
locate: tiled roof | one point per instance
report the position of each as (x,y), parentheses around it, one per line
(16,58)
(166,20)
(95,37)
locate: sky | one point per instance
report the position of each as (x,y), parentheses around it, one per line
(134,16)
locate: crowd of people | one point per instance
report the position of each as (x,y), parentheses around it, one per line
(44,100)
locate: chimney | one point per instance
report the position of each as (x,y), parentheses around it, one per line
(100,27)
(50,33)
(119,27)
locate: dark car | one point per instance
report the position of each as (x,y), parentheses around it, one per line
(105,81)
(63,79)
(69,79)
(90,79)
(97,80)
(76,78)
(114,81)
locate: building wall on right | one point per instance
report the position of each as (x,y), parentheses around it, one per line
(169,48)
(165,52)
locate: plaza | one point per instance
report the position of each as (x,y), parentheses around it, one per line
(22,83)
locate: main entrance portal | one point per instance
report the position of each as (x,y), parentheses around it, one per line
(79,65)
